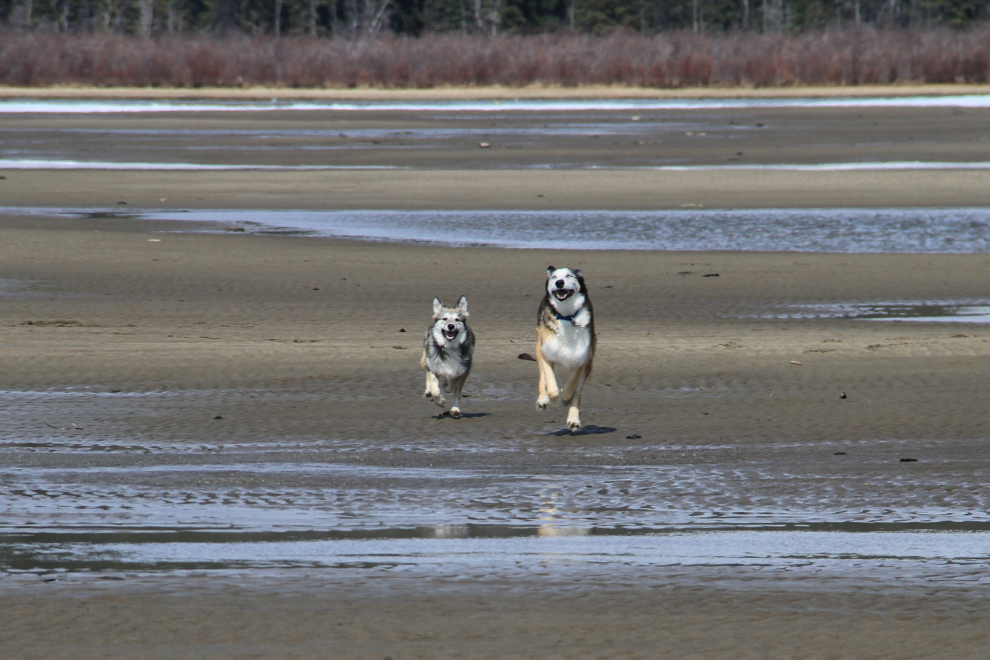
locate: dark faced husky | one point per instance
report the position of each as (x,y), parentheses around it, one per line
(565,336)
(447,353)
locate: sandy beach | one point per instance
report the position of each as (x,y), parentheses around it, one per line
(142,363)
(312,328)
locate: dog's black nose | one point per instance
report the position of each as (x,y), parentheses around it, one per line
(450,326)
(560,284)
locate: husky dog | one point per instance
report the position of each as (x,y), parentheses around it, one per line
(565,336)
(447,353)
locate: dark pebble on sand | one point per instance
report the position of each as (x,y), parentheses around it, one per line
(840,453)
(633,437)
(843,396)
(527,356)
(711,275)
(402,329)
(909,460)
(218,417)
(702,412)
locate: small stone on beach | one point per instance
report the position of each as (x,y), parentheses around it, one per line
(526,356)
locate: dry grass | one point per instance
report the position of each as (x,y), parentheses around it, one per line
(670,60)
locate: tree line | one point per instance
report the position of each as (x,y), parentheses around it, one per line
(319,18)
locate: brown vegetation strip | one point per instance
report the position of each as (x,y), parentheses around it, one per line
(669,60)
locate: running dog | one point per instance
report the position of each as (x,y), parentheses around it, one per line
(565,336)
(447,353)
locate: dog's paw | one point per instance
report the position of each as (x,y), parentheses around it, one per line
(439,400)
(542,403)
(552,391)
(427,393)
(573,423)
(455,413)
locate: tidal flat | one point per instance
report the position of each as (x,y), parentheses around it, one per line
(215,442)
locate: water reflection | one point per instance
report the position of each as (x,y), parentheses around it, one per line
(810,551)
(928,312)
(551,519)
(906,230)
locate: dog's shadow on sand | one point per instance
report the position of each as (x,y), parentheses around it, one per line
(590,429)
(447,415)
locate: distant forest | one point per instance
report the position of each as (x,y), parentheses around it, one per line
(334,18)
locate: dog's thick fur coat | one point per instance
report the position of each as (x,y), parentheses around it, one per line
(565,336)
(447,353)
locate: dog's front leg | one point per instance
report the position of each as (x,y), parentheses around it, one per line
(548,382)
(458,384)
(572,396)
(433,389)
(575,381)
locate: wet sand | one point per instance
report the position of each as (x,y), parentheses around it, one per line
(483,190)
(428,159)
(144,374)
(683,614)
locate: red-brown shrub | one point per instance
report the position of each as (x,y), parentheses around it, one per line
(679,59)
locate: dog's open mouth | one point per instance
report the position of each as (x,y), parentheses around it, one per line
(563,294)
(450,334)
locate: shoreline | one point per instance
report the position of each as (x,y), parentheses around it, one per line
(484,93)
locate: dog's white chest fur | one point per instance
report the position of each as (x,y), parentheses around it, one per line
(450,363)
(569,346)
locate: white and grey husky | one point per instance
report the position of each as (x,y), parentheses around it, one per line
(447,353)
(565,336)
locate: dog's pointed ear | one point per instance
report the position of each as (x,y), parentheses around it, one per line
(550,270)
(437,308)
(462,309)
(577,273)
(580,278)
